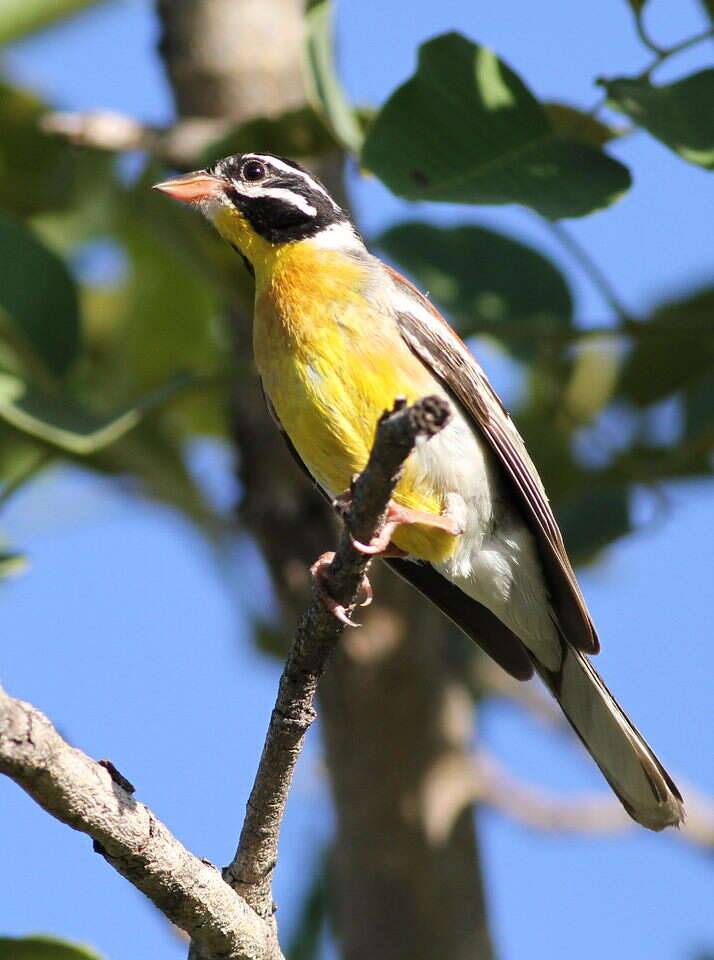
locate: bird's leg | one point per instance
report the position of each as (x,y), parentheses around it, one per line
(451,521)
(318,572)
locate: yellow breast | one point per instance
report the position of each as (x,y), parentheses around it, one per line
(331,364)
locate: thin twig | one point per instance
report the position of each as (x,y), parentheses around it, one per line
(318,631)
(85,795)
(597,277)
(178,145)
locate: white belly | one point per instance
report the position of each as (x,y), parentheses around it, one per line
(496,560)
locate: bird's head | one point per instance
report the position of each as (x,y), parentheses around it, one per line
(259,202)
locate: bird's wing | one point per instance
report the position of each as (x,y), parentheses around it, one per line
(473,618)
(433,341)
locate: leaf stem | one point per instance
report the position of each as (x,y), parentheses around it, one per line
(37,463)
(663,53)
(593,271)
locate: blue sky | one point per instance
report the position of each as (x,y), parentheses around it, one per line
(131,637)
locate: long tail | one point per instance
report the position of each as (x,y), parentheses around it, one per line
(643,786)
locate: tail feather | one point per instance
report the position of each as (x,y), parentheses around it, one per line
(643,786)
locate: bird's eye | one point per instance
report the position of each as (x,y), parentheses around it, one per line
(253,170)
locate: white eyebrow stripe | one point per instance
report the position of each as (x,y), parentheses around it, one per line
(251,192)
(293,171)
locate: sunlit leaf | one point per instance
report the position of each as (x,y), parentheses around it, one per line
(578,125)
(593,379)
(11,564)
(675,347)
(20,17)
(465,129)
(680,114)
(469,272)
(38,293)
(43,948)
(324,90)
(66,424)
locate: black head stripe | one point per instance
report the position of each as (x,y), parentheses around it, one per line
(289,204)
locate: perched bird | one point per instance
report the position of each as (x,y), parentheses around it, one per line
(337,336)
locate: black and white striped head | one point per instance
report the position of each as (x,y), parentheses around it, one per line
(279,200)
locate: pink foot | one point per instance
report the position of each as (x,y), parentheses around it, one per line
(337,609)
(398,516)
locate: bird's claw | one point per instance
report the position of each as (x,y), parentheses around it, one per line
(338,610)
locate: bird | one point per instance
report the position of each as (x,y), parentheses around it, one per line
(337,335)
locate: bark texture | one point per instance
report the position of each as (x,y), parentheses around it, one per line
(396,718)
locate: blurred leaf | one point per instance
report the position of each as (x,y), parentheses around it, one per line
(637,6)
(324,90)
(708,7)
(43,948)
(594,518)
(11,564)
(486,281)
(295,133)
(39,294)
(66,424)
(465,129)
(33,166)
(699,410)
(673,348)
(270,639)
(592,380)
(578,125)
(680,114)
(152,457)
(312,919)
(20,17)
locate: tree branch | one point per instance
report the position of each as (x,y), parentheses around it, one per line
(225,923)
(178,145)
(86,795)
(250,873)
(531,805)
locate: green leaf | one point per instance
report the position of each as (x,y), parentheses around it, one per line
(594,519)
(708,7)
(672,349)
(68,425)
(680,114)
(20,17)
(295,133)
(469,272)
(43,948)
(39,294)
(699,411)
(11,564)
(637,6)
(36,170)
(578,125)
(465,129)
(323,87)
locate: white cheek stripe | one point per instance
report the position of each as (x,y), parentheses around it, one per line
(293,171)
(278,193)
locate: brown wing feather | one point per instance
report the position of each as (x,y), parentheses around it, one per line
(432,340)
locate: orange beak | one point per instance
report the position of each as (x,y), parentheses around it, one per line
(193,187)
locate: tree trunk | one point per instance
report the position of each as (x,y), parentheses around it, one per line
(396,719)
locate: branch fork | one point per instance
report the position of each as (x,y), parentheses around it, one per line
(228,916)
